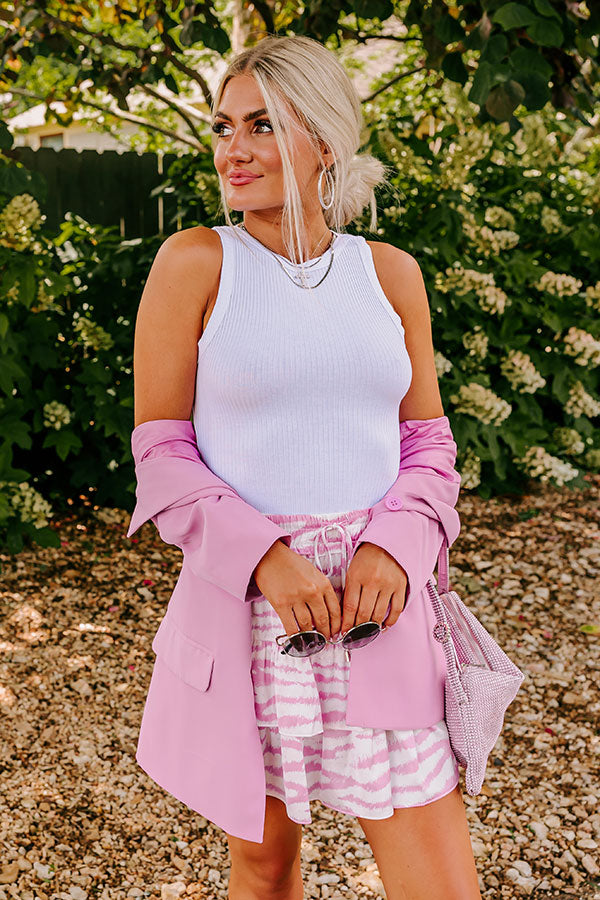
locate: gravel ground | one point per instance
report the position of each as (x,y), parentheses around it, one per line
(79,819)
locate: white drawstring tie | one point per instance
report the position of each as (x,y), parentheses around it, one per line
(346,548)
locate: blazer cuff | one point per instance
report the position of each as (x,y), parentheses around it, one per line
(412,539)
(227,551)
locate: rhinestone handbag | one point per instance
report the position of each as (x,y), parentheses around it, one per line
(481,680)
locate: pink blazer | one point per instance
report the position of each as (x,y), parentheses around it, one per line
(198,736)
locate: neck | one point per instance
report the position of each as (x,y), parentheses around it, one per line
(317,235)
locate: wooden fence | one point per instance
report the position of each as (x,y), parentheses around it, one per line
(107,188)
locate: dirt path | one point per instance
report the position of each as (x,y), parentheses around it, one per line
(79,819)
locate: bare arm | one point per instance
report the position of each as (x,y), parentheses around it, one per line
(402,283)
(169,323)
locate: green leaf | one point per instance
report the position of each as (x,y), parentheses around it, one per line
(64,441)
(537,90)
(171,83)
(374,9)
(526,60)
(4,323)
(46,536)
(545,8)
(504,99)
(448,30)
(513,15)
(482,82)
(546,33)
(590,629)
(561,384)
(6,138)
(454,68)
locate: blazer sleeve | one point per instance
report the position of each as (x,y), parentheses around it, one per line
(223,538)
(410,520)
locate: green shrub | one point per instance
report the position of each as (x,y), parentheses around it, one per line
(502,227)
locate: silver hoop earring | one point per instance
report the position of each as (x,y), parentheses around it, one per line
(330,184)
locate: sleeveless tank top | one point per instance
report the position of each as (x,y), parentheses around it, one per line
(298,391)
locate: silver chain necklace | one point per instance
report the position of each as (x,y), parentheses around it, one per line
(297,266)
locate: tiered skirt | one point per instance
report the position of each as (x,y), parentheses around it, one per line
(309,751)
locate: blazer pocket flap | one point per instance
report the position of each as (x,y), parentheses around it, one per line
(188,660)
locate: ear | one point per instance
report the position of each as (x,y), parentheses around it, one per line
(327,158)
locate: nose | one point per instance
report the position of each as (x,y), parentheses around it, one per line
(237,148)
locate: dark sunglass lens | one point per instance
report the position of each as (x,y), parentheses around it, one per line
(305,644)
(361,635)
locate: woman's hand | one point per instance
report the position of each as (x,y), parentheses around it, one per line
(301,595)
(374,581)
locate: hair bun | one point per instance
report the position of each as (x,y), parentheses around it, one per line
(364,173)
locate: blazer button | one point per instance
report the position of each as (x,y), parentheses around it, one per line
(393,503)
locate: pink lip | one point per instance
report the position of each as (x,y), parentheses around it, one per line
(242,179)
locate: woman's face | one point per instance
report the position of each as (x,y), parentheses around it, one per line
(251,146)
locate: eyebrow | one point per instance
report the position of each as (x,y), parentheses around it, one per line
(246,117)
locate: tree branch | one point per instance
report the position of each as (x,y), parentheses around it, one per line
(168,43)
(127,117)
(172,50)
(174,106)
(396,78)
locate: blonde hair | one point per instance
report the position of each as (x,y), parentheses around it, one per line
(297,74)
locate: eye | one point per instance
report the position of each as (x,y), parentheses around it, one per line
(264,122)
(217,127)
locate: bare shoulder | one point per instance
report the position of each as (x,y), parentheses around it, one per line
(183,275)
(400,277)
(191,248)
(168,326)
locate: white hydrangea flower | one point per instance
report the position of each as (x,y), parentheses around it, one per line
(498,217)
(592,296)
(458,280)
(470,470)
(536,146)
(92,334)
(19,218)
(476,400)
(519,370)
(558,283)
(442,364)
(476,342)
(531,198)
(540,464)
(12,294)
(492,299)
(44,299)
(461,156)
(580,403)
(28,503)
(56,414)
(488,241)
(569,440)
(583,346)
(592,458)
(550,220)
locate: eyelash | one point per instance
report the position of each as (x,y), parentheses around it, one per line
(217,126)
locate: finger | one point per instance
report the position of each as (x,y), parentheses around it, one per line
(320,615)
(302,612)
(334,610)
(397,603)
(288,621)
(350,603)
(368,601)
(382,608)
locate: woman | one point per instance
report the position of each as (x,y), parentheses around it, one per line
(297,348)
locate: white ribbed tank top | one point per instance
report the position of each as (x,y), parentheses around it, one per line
(298,391)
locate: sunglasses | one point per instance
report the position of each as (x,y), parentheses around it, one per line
(306,643)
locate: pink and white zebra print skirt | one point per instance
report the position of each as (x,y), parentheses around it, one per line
(309,751)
